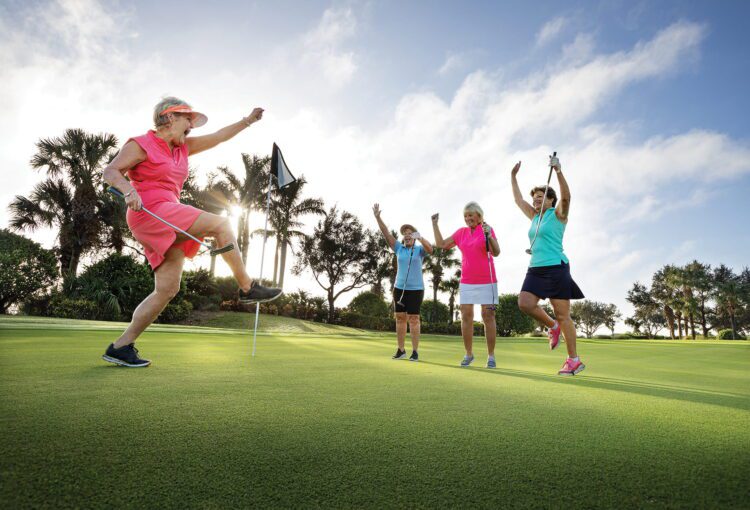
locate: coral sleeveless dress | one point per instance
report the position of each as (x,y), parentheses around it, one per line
(158,181)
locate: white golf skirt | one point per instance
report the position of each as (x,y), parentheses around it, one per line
(478,294)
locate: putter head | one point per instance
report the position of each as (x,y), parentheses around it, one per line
(219,251)
(528,251)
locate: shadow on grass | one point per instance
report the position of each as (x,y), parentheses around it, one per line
(732,400)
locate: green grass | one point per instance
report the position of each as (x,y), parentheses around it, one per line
(326,419)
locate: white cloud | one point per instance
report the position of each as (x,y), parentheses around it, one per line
(550,30)
(323,45)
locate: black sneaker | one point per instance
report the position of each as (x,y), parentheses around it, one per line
(258,294)
(414,356)
(399,354)
(125,356)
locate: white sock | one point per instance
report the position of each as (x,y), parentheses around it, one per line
(555,325)
(576,359)
(491,357)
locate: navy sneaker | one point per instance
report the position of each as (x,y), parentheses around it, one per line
(414,356)
(399,354)
(258,294)
(467,360)
(125,356)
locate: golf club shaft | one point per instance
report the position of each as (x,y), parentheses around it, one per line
(408,268)
(117,192)
(541,209)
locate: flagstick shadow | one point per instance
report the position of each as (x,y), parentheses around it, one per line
(732,400)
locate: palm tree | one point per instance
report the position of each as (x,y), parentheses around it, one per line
(698,277)
(451,286)
(248,194)
(287,208)
(728,293)
(435,265)
(663,292)
(72,198)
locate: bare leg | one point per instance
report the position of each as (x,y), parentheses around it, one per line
(467,327)
(414,329)
(218,227)
(166,285)
(528,303)
(490,328)
(562,313)
(400,329)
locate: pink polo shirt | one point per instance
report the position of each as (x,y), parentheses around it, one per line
(474,266)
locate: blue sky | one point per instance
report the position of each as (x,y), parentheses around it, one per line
(423,106)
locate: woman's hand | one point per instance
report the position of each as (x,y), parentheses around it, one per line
(376,210)
(255,116)
(515,170)
(435,218)
(554,162)
(133,201)
(487,229)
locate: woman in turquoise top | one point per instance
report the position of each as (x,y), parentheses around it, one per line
(548,275)
(408,289)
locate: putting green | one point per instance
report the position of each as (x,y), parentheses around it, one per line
(326,418)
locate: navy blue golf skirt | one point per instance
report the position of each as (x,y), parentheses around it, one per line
(552,282)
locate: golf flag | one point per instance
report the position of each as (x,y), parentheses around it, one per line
(278,168)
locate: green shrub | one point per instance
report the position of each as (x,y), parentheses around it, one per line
(176,311)
(367,303)
(726,334)
(510,319)
(227,288)
(69,308)
(434,312)
(201,289)
(117,284)
(356,320)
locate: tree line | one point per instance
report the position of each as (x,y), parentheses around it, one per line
(340,253)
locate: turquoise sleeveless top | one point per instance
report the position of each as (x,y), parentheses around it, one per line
(548,248)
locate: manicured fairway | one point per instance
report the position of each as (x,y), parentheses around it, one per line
(327,419)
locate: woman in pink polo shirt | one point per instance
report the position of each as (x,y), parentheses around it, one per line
(478,277)
(157,166)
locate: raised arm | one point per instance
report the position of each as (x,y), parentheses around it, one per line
(386,233)
(445,244)
(114,173)
(522,204)
(564,208)
(198,144)
(425,243)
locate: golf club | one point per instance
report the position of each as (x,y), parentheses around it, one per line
(489,266)
(211,250)
(541,209)
(408,268)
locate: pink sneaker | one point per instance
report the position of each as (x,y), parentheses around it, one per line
(554,336)
(571,367)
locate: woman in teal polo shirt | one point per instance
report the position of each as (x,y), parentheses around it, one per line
(548,275)
(408,290)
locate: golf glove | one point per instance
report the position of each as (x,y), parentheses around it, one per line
(416,235)
(554,162)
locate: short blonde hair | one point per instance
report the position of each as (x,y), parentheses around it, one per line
(475,208)
(167,102)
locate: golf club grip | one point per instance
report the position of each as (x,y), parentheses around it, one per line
(115,191)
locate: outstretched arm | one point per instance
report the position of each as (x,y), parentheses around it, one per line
(386,233)
(198,144)
(564,208)
(522,204)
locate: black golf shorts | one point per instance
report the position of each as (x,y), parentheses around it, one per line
(412,301)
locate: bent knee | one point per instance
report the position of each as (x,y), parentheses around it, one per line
(526,306)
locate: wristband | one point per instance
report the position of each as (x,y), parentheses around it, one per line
(129,193)
(247,122)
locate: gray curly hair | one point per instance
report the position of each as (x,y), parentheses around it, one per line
(167,102)
(474,208)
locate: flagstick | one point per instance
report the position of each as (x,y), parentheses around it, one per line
(263,256)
